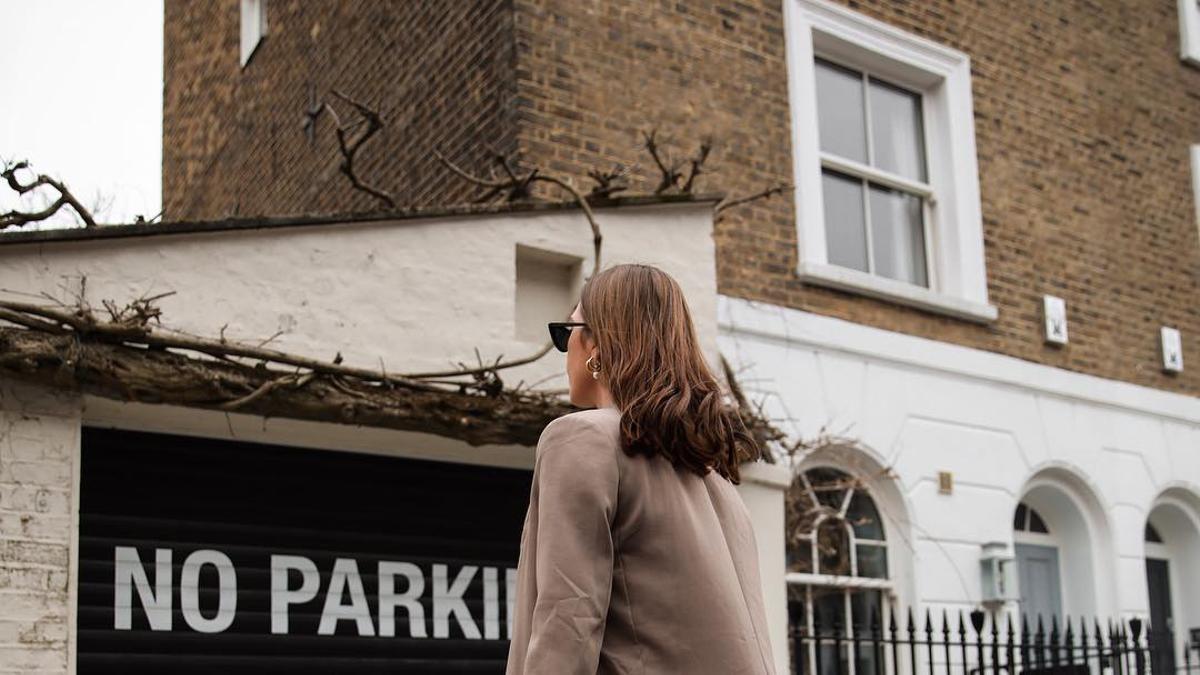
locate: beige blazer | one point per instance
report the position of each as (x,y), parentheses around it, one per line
(630,566)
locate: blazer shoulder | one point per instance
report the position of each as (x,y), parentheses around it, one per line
(592,426)
(601,417)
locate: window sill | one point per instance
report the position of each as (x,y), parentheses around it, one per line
(835,580)
(846,279)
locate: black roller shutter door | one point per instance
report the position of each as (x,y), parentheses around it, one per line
(151,493)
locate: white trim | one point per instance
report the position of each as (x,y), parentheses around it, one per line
(1196,175)
(736,316)
(765,473)
(838,581)
(252,26)
(874,285)
(957,270)
(1189,31)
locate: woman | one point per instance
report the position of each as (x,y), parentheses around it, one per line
(637,553)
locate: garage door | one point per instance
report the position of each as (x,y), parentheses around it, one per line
(207,556)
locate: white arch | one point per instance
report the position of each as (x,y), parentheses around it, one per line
(867,465)
(1074,512)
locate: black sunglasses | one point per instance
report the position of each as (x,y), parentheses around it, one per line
(560,333)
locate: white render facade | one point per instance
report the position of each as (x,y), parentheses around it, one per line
(1098,461)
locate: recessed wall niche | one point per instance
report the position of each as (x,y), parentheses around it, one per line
(548,285)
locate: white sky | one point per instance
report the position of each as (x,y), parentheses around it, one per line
(81,99)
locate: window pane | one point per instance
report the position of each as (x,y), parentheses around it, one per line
(829,610)
(863,515)
(799,556)
(845,226)
(897,235)
(830,486)
(867,609)
(829,617)
(1019,518)
(841,118)
(833,548)
(897,141)
(872,561)
(1036,524)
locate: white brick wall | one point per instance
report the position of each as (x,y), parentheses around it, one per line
(39,447)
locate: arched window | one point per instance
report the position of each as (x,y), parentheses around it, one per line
(1029,520)
(837,564)
(834,527)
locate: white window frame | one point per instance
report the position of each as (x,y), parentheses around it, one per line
(1189,31)
(1196,181)
(955,262)
(252,26)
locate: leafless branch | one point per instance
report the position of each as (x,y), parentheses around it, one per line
(517,186)
(349,146)
(65,198)
(610,182)
(670,171)
(764,194)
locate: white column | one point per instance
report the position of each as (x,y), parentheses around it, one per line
(762,489)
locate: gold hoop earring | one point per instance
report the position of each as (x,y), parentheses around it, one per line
(594,368)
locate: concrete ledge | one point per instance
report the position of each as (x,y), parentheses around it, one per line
(762,473)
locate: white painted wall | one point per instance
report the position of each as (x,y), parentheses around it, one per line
(373,290)
(1001,425)
(39,501)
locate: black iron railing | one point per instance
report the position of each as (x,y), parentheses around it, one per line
(980,643)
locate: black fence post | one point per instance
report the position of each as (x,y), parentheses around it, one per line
(977,618)
(1083,644)
(912,641)
(1039,644)
(1008,647)
(894,631)
(1024,641)
(1139,659)
(929,638)
(1054,645)
(946,638)
(876,634)
(1114,643)
(995,644)
(962,642)
(1068,640)
(817,641)
(837,644)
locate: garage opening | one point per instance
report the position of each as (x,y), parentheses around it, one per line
(200,556)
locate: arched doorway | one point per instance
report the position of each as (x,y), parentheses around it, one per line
(1172,552)
(1062,544)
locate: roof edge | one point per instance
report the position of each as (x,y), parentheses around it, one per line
(118,230)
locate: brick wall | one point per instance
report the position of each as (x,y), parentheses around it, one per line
(234,139)
(1083,121)
(39,437)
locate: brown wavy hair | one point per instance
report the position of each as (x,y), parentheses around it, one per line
(670,402)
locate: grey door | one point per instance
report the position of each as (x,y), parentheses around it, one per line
(1041,592)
